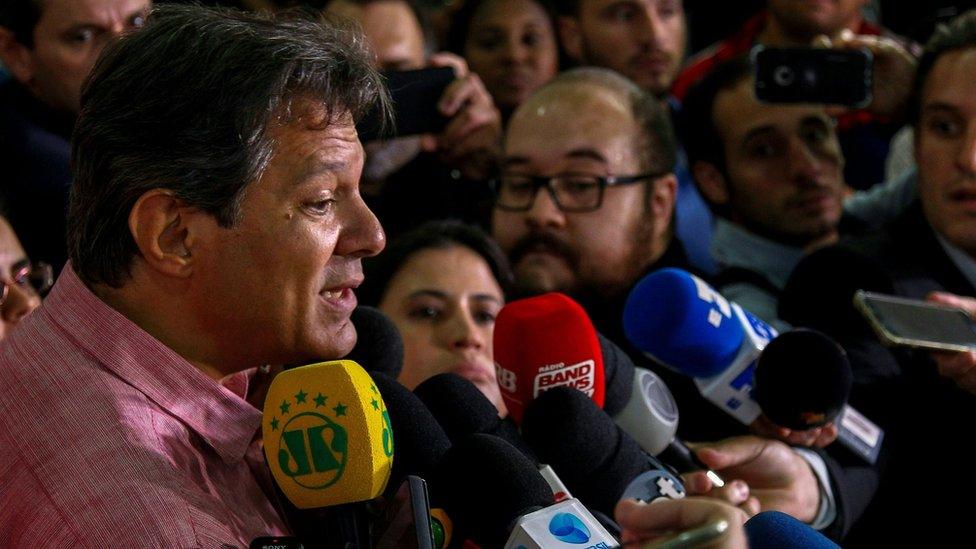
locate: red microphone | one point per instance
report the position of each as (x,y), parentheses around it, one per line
(544,342)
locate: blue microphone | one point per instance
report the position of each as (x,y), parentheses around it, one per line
(775,530)
(680,321)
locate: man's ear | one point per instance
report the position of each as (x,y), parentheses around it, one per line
(16,57)
(711,182)
(161,227)
(663,196)
(570,38)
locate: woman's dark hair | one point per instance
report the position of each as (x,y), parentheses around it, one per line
(432,235)
(461,20)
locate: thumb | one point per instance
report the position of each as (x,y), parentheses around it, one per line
(944,298)
(729,452)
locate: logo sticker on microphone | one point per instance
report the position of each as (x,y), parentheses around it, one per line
(568,528)
(580,376)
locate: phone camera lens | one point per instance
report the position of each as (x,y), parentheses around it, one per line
(783,75)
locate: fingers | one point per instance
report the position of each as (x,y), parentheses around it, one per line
(730,452)
(466,91)
(447,59)
(960,367)
(967,304)
(827,435)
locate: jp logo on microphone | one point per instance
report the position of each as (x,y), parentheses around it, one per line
(321,421)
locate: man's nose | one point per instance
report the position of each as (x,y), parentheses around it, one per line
(544,211)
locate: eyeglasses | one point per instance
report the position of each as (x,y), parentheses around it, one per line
(576,193)
(34,279)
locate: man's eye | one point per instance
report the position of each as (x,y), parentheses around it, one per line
(82,36)
(320,206)
(945,127)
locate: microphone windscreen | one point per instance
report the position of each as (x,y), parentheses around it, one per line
(327,435)
(544,342)
(462,410)
(379,347)
(593,456)
(682,322)
(802,380)
(776,530)
(490,485)
(618,370)
(419,440)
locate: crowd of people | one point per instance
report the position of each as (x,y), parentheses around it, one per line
(186,202)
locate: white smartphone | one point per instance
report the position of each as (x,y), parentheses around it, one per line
(916,323)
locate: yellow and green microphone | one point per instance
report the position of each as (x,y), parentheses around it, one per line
(329,443)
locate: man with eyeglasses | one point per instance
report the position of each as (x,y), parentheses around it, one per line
(21,282)
(601,150)
(584,205)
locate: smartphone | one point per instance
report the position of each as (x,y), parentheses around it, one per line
(414,94)
(406,518)
(696,537)
(916,323)
(813,75)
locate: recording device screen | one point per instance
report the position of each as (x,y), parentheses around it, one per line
(813,75)
(414,95)
(406,518)
(915,323)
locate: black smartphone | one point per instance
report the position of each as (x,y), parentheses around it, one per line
(405,521)
(813,75)
(914,323)
(414,94)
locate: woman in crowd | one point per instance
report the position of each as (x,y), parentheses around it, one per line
(23,283)
(510,44)
(442,285)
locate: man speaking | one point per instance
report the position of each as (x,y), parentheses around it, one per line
(215,225)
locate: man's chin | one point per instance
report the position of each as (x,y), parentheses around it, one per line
(532,278)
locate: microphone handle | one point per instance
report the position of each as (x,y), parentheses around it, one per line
(346,526)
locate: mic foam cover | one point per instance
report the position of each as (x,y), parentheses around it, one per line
(490,484)
(593,456)
(543,342)
(618,371)
(802,380)
(327,435)
(420,441)
(379,347)
(682,322)
(776,530)
(462,410)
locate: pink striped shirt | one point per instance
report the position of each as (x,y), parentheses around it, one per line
(109,438)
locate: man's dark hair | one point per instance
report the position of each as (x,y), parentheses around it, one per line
(20,17)
(185,104)
(432,235)
(957,34)
(657,145)
(568,8)
(697,120)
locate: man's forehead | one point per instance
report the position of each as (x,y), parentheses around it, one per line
(91,11)
(737,112)
(952,79)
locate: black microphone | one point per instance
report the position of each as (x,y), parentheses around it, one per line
(507,499)
(802,379)
(419,442)
(599,461)
(462,410)
(379,347)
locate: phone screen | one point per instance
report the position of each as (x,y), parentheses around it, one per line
(918,323)
(813,75)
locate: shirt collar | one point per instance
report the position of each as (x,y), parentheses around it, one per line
(216,411)
(963,261)
(735,246)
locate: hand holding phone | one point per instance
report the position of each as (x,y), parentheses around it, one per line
(915,323)
(414,98)
(813,75)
